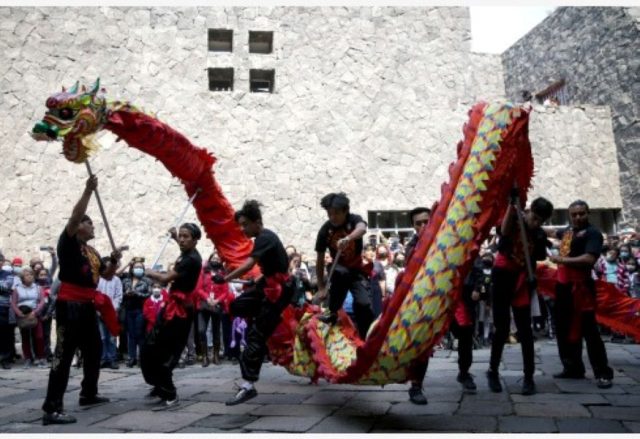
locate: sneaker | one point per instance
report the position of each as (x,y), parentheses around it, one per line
(466,379)
(6,365)
(167,404)
(243,395)
(566,374)
(416,396)
(57,418)
(494,381)
(92,400)
(329,319)
(42,364)
(113,365)
(131,362)
(190,361)
(27,364)
(528,387)
(604,383)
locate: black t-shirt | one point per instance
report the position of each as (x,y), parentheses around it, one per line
(270,253)
(512,247)
(188,267)
(79,263)
(587,240)
(328,237)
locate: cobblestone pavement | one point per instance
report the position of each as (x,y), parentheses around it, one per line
(290,404)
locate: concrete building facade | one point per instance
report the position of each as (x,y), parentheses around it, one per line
(367,100)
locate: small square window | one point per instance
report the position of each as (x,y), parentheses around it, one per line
(220,40)
(221,79)
(261,81)
(260,42)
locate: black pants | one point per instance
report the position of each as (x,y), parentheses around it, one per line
(77,327)
(504,286)
(204,315)
(161,351)
(464,334)
(266,317)
(344,280)
(571,352)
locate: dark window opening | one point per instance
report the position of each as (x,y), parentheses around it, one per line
(261,81)
(260,42)
(221,79)
(555,94)
(220,40)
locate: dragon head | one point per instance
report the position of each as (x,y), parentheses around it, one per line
(74,117)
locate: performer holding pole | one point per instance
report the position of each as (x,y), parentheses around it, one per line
(343,232)
(78,300)
(511,289)
(161,350)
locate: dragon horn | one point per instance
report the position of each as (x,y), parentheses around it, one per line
(96,87)
(74,89)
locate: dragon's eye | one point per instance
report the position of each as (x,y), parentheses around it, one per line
(65,113)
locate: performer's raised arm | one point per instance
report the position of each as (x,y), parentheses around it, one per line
(80,209)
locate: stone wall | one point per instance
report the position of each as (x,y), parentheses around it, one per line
(596,51)
(369,101)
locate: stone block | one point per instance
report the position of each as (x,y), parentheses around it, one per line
(492,408)
(523,424)
(294,410)
(551,410)
(343,424)
(434,423)
(164,422)
(619,413)
(432,408)
(225,422)
(591,426)
(284,423)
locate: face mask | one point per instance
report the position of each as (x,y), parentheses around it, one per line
(631,268)
(611,259)
(486,271)
(400,263)
(624,255)
(42,282)
(7,268)
(17,270)
(138,272)
(156,292)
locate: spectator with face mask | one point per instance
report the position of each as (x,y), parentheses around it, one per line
(16,265)
(110,285)
(137,288)
(153,305)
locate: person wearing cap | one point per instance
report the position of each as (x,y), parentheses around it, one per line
(161,350)
(16,264)
(76,317)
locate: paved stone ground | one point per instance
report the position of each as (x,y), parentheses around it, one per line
(290,404)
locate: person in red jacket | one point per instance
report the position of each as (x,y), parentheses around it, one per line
(153,304)
(212,302)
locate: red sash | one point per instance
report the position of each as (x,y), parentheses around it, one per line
(177,304)
(102,303)
(273,287)
(584,298)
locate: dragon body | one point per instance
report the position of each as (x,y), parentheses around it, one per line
(494,155)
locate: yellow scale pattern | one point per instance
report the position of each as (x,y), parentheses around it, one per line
(423,312)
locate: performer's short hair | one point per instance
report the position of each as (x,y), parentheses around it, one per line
(418,211)
(250,210)
(579,203)
(337,200)
(193,229)
(542,207)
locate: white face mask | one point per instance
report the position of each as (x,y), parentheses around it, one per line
(156,292)
(7,268)
(17,270)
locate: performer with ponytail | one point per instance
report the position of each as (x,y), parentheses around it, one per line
(77,324)
(161,351)
(265,301)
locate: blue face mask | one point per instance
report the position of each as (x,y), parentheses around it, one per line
(624,255)
(17,270)
(138,272)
